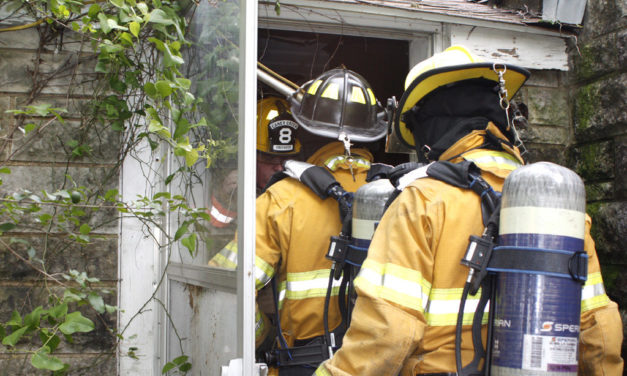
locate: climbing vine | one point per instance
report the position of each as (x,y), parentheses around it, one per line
(129,77)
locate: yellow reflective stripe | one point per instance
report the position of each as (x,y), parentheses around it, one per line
(272,114)
(314,87)
(322,371)
(357,95)
(312,284)
(332,91)
(222,261)
(593,293)
(282,288)
(373,99)
(403,286)
(443,307)
(493,159)
(229,252)
(259,326)
(263,272)
(335,162)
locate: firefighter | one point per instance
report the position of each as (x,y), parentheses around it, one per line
(294,225)
(410,285)
(276,142)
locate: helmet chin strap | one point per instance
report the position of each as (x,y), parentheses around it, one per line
(504,103)
(347,151)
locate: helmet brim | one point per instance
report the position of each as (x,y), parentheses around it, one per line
(429,81)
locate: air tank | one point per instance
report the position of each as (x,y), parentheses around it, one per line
(536,315)
(368,208)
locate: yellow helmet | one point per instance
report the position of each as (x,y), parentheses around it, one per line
(452,65)
(276,128)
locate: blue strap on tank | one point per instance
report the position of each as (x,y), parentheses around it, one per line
(549,262)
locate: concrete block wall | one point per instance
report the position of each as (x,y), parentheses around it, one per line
(42,161)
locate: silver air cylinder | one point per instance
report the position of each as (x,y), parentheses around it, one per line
(537,314)
(368,207)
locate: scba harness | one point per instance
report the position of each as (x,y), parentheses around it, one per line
(346,257)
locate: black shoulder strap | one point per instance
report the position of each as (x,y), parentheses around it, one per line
(378,171)
(467,175)
(316,178)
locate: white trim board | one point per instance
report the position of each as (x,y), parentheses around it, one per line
(531,51)
(530,47)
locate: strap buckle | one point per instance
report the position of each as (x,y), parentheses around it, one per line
(578,266)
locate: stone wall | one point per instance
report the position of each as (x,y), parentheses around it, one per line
(43,161)
(598,97)
(579,119)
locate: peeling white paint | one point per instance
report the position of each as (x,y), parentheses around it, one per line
(527,50)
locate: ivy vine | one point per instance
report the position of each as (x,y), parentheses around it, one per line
(146,86)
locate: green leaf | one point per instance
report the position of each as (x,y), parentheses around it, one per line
(45,218)
(113,24)
(76,322)
(117,3)
(104,23)
(102,66)
(182,127)
(185,367)
(277,8)
(168,367)
(164,88)
(184,83)
(5,170)
(29,127)
(42,360)
(171,59)
(127,38)
(110,309)
(85,229)
(93,10)
(160,17)
(134,27)
(190,243)
(49,340)
(158,195)
(96,301)
(156,127)
(7,226)
(181,231)
(150,89)
(58,311)
(72,296)
(41,110)
(191,157)
(16,319)
(111,194)
(158,43)
(32,319)
(12,338)
(142,8)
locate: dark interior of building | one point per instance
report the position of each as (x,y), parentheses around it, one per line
(302,56)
